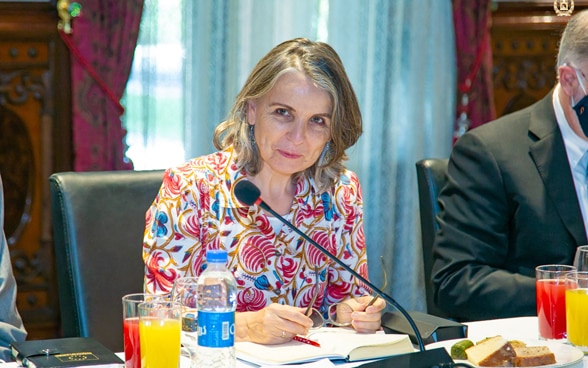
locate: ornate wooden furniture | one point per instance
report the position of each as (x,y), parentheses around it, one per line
(524,36)
(35,141)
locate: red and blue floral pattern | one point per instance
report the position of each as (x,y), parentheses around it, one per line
(196,209)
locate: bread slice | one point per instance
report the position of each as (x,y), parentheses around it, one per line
(532,356)
(492,352)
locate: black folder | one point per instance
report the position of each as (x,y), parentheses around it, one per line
(432,328)
(421,359)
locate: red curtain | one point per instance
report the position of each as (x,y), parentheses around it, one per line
(102,45)
(475,101)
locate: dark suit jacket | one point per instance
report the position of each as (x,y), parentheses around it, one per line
(11,327)
(509,206)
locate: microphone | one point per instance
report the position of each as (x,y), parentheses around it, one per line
(249,194)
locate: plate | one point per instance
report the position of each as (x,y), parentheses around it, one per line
(565,355)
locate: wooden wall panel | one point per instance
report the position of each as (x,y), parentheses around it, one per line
(35,141)
(524,37)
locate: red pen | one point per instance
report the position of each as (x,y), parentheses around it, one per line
(306,341)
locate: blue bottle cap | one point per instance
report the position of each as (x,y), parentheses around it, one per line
(216,256)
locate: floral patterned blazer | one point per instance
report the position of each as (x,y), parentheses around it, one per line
(196,209)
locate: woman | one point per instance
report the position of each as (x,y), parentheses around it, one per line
(287,133)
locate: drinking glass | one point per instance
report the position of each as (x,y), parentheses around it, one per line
(132,344)
(581,258)
(184,292)
(131,340)
(159,330)
(577,309)
(551,300)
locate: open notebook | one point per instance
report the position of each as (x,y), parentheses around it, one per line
(336,344)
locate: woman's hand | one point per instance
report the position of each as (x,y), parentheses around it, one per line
(274,324)
(363,318)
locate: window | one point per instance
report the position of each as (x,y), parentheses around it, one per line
(154,97)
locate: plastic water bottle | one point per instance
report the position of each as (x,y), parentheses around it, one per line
(217,301)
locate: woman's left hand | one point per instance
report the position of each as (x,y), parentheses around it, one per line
(366,319)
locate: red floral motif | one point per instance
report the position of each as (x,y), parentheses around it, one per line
(204,195)
(254,253)
(172,185)
(363,271)
(358,193)
(161,279)
(287,268)
(148,219)
(315,256)
(305,295)
(197,263)
(360,239)
(250,299)
(351,221)
(216,161)
(241,212)
(263,225)
(190,224)
(185,169)
(310,211)
(213,242)
(338,291)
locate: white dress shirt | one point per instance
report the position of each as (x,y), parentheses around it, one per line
(576,149)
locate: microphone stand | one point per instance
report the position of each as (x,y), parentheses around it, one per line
(380,293)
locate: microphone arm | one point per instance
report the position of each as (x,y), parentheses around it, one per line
(383,295)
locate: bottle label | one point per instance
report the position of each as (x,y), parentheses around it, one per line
(216,329)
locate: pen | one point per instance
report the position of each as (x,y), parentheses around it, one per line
(306,341)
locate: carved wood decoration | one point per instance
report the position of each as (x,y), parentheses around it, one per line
(524,37)
(35,135)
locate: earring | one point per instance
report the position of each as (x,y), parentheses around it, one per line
(325,156)
(251,135)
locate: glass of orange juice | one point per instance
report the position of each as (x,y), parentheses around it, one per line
(577,309)
(159,331)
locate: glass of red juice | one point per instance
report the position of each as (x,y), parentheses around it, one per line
(551,300)
(131,328)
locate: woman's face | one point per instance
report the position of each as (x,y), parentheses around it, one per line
(292,123)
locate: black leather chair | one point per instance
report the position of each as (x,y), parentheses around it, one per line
(431,176)
(98,225)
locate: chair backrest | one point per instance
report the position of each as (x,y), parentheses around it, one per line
(431,177)
(98,225)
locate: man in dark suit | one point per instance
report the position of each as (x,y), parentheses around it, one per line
(516,197)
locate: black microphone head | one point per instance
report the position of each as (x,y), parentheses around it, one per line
(247,192)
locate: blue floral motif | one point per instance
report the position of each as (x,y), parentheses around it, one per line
(323,274)
(215,206)
(327,205)
(160,221)
(262,283)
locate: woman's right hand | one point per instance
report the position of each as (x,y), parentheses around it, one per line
(274,324)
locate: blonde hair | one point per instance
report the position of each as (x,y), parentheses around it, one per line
(320,62)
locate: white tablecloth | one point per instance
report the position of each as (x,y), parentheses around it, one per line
(511,328)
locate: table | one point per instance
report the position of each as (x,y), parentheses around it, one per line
(511,328)
(520,328)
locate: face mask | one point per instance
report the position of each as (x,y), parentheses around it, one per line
(582,107)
